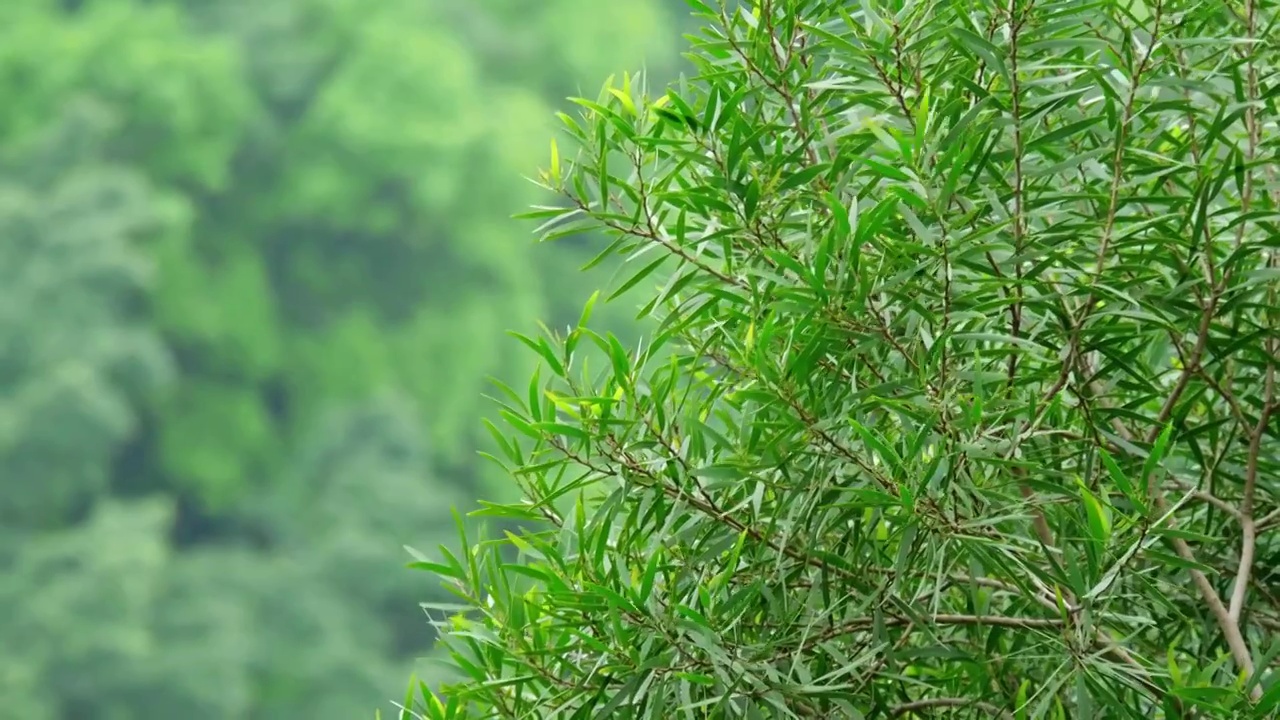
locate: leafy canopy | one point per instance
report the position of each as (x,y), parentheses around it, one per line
(962,397)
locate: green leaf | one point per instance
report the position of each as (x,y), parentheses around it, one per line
(1066,131)
(437,568)
(543,350)
(980,46)
(1122,481)
(802,177)
(1157,454)
(1098,516)
(1178,562)
(637,277)
(585,317)
(878,445)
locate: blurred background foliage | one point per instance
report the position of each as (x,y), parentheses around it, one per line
(256,264)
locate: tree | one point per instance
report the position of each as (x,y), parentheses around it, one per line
(962,398)
(77,353)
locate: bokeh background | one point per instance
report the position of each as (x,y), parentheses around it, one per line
(256,264)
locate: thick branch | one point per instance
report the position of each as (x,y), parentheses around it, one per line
(1230,630)
(1249,539)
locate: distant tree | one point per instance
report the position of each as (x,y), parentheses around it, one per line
(228,231)
(76,351)
(962,399)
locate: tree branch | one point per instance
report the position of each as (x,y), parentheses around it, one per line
(1209,499)
(1249,539)
(1240,652)
(950,702)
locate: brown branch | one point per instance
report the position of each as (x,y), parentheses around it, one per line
(1209,499)
(1038,521)
(1019,222)
(1239,648)
(1102,639)
(863,623)
(948,619)
(1108,228)
(949,702)
(1240,652)
(1248,543)
(1249,534)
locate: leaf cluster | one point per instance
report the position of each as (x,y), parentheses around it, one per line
(962,397)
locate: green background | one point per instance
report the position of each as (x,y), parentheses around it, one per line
(256,264)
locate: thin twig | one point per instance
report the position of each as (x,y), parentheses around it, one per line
(1269,521)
